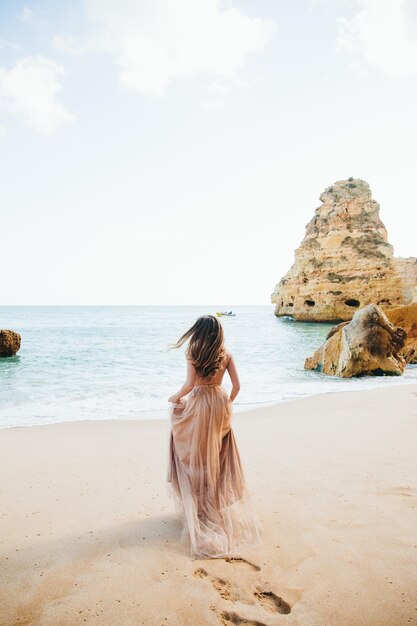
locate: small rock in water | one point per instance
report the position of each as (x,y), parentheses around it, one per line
(9,343)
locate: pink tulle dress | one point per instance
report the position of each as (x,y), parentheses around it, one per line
(205,475)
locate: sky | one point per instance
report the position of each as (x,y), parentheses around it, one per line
(159,152)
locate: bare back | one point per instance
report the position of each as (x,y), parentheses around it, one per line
(218,376)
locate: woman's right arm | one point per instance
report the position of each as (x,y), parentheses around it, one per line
(187,386)
(231,368)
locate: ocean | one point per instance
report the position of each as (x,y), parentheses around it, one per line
(112,362)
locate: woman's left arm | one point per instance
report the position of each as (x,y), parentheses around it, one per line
(187,386)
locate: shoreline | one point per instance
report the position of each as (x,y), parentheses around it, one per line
(239,408)
(89,534)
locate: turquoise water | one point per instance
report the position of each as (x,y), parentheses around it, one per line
(101,362)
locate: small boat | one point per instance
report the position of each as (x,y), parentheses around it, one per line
(225,314)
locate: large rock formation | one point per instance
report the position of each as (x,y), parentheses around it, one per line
(407,269)
(368,345)
(9,343)
(406,318)
(344,261)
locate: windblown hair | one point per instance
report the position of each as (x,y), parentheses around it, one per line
(206,348)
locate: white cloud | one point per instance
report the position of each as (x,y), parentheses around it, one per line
(33,18)
(30,89)
(25,14)
(154,42)
(217,87)
(71,44)
(5,44)
(217,92)
(382,34)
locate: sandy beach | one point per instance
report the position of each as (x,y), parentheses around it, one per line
(89,534)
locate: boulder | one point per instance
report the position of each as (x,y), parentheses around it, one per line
(406,318)
(9,343)
(369,345)
(344,261)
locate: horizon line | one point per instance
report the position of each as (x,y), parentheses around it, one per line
(136,305)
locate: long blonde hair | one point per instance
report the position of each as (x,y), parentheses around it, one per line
(206,348)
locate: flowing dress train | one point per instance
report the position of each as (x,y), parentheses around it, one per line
(206,477)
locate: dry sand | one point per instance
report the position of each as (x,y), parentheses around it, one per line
(89,535)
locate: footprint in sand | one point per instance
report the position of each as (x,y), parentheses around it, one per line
(200,573)
(252,566)
(271,602)
(234,619)
(223,587)
(268,600)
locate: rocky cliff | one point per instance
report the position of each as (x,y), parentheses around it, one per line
(407,269)
(344,261)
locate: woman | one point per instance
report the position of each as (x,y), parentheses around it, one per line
(204,468)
